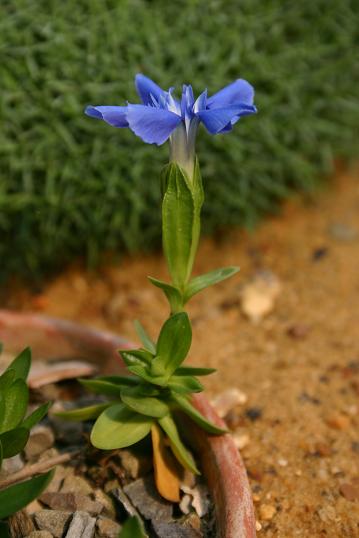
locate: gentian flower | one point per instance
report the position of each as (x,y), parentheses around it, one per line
(161,116)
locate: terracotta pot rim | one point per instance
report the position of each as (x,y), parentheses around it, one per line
(222,464)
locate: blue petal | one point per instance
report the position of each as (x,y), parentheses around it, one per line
(220,119)
(114,115)
(153,125)
(240,91)
(147,89)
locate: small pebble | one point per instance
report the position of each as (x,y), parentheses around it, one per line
(282,462)
(241,440)
(267,511)
(258,526)
(107,528)
(228,399)
(338,421)
(349,491)
(322,449)
(298,332)
(254,413)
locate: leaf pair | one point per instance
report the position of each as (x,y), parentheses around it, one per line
(178,298)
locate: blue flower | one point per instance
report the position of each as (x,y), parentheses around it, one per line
(162,117)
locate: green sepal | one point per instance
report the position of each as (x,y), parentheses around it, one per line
(172,293)
(83,413)
(21,364)
(132,528)
(13,441)
(16,398)
(147,342)
(99,386)
(35,417)
(145,405)
(14,498)
(196,416)
(173,344)
(179,450)
(201,282)
(181,207)
(119,427)
(185,384)
(194,370)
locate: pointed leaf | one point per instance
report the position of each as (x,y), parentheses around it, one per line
(194,370)
(201,282)
(16,398)
(172,293)
(21,364)
(180,451)
(136,356)
(6,379)
(118,427)
(83,413)
(132,528)
(14,441)
(145,405)
(14,498)
(185,384)
(99,386)
(35,417)
(173,343)
(142,372)
(195,415)
(144,337)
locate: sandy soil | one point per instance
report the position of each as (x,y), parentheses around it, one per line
(299,366)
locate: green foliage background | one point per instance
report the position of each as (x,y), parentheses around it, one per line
(72,186)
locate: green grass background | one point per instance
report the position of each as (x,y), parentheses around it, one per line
(71,186)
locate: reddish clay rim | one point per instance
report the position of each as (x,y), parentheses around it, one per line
(222,464)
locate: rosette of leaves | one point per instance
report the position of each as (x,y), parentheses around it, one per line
(15,429)
(157,387)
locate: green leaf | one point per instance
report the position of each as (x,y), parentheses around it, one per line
(14,498)
(181,206)
(99,386)
(132,528)
(118,427)
(136,356)
(14,441)
(145,405)
(35,417)
(144,337)
(185,384)
(172,293)
(124,380)
(83,413)
(6,379)
(21,364)
(143,372)
(179,450)
(196,416)
(194,370)
(16,398)
(201,282)
(173,344)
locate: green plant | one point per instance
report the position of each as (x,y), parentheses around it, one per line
(158,385)
(15,428)
(132,528)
